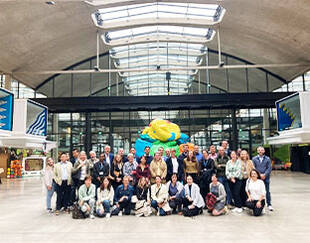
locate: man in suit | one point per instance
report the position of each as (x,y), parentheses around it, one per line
(75,156)
(63,179)
(108,155)
(75,182)
(101,170)
(263,164)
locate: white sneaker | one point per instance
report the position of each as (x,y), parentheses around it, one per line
(264,211)
(92,216)
(237,210)
(120,213)
(108,215)
(270,208)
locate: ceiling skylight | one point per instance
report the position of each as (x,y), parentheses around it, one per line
(158,13)
(158,33)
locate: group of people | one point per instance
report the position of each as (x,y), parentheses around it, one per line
(216,180)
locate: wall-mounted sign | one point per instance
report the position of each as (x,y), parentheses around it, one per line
(6,110)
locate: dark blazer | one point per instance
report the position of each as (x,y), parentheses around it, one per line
(170,169)
(206,169)
(141,193)
(73,160)
(101,170)
(111,156)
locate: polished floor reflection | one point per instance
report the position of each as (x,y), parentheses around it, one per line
(23,219)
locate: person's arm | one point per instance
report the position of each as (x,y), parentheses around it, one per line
(238,173)
(269,167)
(227,172)
(222,193)
(125,169)
(212,168)
(195,196)
(76,167)
(130,188)
(48,178)
(111,195)
(138,173)
(99,198)
(152,169)
(106,169)
(148,174)
(81,193)
(96,171)
(164,173)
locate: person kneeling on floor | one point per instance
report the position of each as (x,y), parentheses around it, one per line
(255,189)
(216,197)
(193,202)
(122,198)
(105,197)
(159,198)
(87,200)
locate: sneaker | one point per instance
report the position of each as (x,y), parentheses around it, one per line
(225,210)
(270,208)
(264,211)
(237,210)
(108,215)
(57,212)
(120,213)
(92,216)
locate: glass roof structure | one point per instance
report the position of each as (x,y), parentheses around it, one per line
(154,36)
(155,33)
(158,13)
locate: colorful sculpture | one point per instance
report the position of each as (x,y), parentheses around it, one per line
(160,133)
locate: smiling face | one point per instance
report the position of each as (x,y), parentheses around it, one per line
(158,180)
(244,155)
(260,151)
(233,155)
(189,180)
(254,175)
(82,156)
(174,178)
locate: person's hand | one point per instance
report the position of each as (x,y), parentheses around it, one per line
(117,205)
(258,204)
(121,199)
(88,207)
(233,180)
(189,198)
(81,203)
(49,188)
(82,164)
(118,179)
(191,206)
(148,202)
(263,176)
(250,199)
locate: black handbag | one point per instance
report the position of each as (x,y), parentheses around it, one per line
(76,212)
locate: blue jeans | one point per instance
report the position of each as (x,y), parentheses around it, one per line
(267,186)
(154,204)
(49,196)
(224,181)
(106,207)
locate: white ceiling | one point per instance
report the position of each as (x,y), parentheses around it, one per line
(35,36)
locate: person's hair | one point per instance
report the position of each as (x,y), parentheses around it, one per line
(102,154)
(107,146)
(194,159)
(88,177)
(205,150)
(147,147)
(173,149)
(102,184)
(63,153)
(141,158)
(115,161)
(140,183)
(157,177)
(258,174)
(130,154)
(189,176)
(174,174)
(126,177)
(233,151)
(76,150)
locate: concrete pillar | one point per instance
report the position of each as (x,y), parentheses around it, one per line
(55,131)
(266,125)
(8,81)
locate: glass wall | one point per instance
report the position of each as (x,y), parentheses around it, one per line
(122,129)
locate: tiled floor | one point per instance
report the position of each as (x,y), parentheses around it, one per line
(23,219)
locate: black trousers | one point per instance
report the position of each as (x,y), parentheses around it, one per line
(243,194)
(252,205)
(190,212)
(125,204)
(235,189)
(176,204)
(63,195)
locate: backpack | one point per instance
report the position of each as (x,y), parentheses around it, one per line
(76,212)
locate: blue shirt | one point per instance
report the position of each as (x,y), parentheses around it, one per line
(120,192)
(198,156)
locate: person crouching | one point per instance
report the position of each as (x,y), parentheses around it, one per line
(87,200)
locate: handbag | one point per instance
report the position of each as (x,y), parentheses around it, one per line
(76,212)
(211,200)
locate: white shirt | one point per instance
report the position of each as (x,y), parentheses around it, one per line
(261,158)
(255,188)
(64,174)
(175,165)
(107,159)
(83,172)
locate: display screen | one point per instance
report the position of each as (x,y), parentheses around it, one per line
(288,113)
(36,119)
(6,110)
(34,164)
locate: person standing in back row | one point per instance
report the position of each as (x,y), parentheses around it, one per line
(262,163)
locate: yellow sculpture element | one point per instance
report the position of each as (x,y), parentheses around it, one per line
(163,130)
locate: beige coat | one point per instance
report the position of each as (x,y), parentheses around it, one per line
(160,195)
(58,173)
(247,166)
(158,168)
